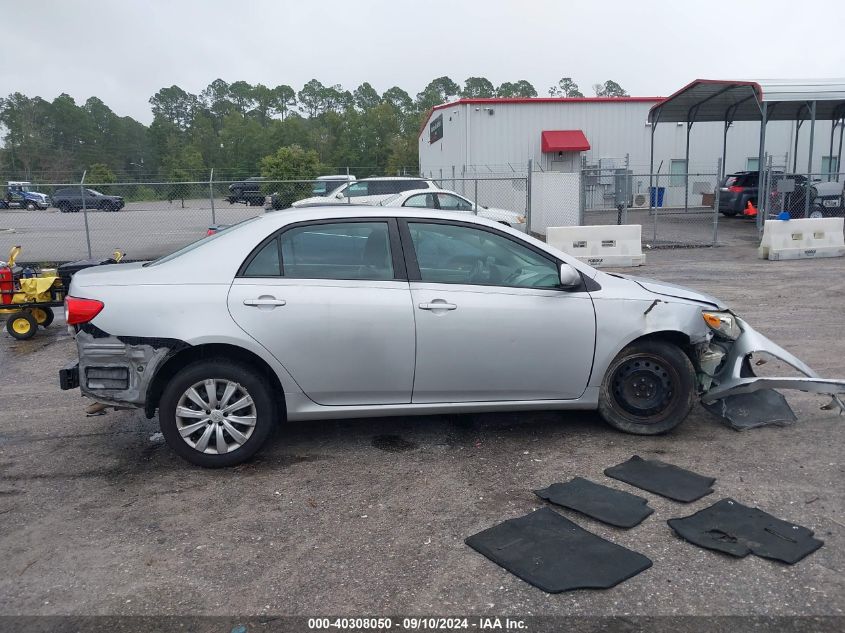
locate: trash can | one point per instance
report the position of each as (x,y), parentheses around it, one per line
(660,192)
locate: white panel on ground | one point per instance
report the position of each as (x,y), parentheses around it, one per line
(806,238)
(555,200)
(600,246)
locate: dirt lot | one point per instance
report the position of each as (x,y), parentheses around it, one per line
(368,516)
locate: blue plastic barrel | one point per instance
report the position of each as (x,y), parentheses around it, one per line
(660,192)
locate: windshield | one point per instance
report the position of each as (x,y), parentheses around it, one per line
(94,192)
(199,242)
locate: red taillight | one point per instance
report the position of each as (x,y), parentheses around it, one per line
(735,189)
(81,310)
(210,232)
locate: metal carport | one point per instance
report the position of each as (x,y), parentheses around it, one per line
(709,100)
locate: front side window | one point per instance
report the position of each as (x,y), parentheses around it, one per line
(342,250)
(457,254)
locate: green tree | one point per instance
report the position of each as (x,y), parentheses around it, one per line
(438,91)
(521,88)
(478,87)
(311,98)
(609,89)
(243,96)
(175,105)
(100,174)
(366,96)
(291,163)
(565,88)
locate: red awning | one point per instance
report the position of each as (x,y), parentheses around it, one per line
(565,141)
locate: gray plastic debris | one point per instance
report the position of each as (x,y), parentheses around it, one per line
(750,410)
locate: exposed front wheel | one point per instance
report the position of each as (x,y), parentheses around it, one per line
(43,316)
(215,413)
(649,388)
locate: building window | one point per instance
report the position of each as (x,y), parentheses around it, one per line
(830,165)
(678,171)
(752,163)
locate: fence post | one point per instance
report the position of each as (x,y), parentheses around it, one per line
(528,196)
(211,196)
(475,198)
(85,213)
(582,191)
(716,202)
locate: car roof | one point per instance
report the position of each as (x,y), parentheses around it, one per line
(421,179)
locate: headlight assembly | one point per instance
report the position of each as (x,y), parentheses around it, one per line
(723,323)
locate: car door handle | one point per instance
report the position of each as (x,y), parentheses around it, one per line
(438,304)
(265,301)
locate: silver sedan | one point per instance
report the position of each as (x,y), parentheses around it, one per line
(329,313)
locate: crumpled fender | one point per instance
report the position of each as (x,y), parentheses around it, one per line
(731,382)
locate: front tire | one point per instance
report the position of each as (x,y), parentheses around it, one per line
(648,389)
(216,413)
(43,315)
(21,325)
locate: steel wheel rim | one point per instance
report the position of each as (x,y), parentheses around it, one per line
(215,416)
(21,325)
(643,386)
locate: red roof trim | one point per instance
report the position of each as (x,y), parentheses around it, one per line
(509,100)
(564,141)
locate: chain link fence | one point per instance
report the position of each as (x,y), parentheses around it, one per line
(146,220)
(675,210)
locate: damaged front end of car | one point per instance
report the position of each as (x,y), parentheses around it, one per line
(729,386)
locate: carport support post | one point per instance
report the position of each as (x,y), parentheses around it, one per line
(721,173)
(761,204)
(810,160)
(652,182)
(211,196)
(839,153)
(719,170)
(830,152)
(686,167)
(85,213)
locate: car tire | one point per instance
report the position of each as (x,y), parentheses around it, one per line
(30,206)
(225,374)
(728,214)
(648,389)
(43,315)
(21,325)
(816,213)
(63,207)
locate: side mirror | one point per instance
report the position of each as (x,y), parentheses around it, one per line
(339,196)
(569,277)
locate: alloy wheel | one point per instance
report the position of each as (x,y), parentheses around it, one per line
(215,416)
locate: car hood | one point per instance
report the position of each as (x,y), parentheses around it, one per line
(671,290)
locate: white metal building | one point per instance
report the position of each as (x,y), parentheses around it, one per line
(470,137)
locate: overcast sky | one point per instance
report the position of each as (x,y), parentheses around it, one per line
(123,51)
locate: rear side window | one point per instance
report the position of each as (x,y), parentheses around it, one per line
(342,250)
(266,263)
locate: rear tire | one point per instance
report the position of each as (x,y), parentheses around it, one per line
(43,316)
(649,388)
(240,432)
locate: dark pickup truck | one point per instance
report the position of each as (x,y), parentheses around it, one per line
(247,191)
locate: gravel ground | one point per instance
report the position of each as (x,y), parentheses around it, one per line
(368,516)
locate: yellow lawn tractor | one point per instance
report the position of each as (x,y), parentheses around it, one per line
(28,296)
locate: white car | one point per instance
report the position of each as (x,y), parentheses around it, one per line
(446,200)
(369,190)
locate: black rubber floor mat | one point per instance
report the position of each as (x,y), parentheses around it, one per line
(605,504)
(730,527)
(549,551)
(662,479)
(750,410)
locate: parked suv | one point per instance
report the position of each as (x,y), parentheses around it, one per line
(740,188)
(247,191)
(70,200)
(372,190)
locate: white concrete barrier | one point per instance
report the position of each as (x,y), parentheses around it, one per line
(802,239)
(600,246)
